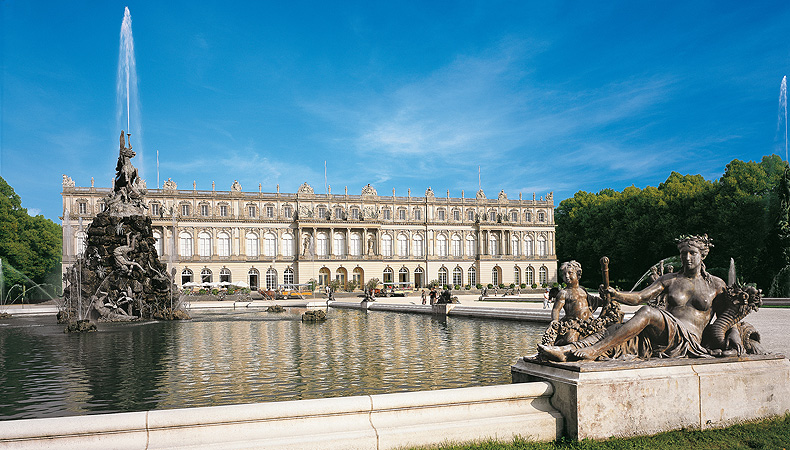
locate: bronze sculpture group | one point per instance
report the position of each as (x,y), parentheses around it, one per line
(698,315)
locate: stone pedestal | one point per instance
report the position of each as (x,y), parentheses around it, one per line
(442,309)
(617,398)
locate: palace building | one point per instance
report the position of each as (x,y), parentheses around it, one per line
(268,239)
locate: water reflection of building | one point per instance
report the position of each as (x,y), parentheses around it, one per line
(266,239)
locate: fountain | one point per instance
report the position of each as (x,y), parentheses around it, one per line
(128,101)
(783,108)
(118,276)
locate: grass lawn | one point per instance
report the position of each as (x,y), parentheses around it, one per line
(766,434)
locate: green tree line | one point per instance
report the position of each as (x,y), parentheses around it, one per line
(636,228)
(30,248)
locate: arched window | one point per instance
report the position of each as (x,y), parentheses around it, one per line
(441,245)
(493,245)
(252,276)
(403,245)
(471,246)
(528,246)
(417,246)
(185,244)
(340,244)
(514,245)
(252,245)
(471,276)
(288,276)
(456,247)
(541,246)
(358,276)
(158,245)
(386,245)
(495,276)
(186,276)
(419,281)
(529,276)
(516,275)
(458,276)
(322,244)
(269,245)
(224,275)
(223,244)
(81,237)
(204,244)
(543,274)
(387,275)
(403,275)
(355,244)
(443,276)
(205,275)
(271,279)
(288,244)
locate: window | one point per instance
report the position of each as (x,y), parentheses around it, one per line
(223,210)
(443,276)
(419,281)
(288,211)
(340,244)
(458,276)
(204,210)
(81,241)
(252,245)
(82,207)
(403,245)
(417,245)
(338,212)
(441,245)
(321,212)
(387,275)
(386,245)
(223,244)
(456,247)
(543,274)
(493,245)
(185,244)
(269,245)
(492,216)
(357,276)
(271,279)
(456,215)
(269,211)
(224,275)
(514,245)
(154,208)
(251,211)
(288,244)
(184,210)
(103,207)
(205,275)
(401,214)
(513,216)
(440,214)
(528,246)
(204,244)
(186,276)
(541,216)
(471,277)
(252,276)
(354,213)
(323,276)
(527,216)
(470,215)
(517,275)
(322,245)
(288,276)
(355,244)
(403,275)
(386,214)
(495,276)
(158,245)
(529,276)
(417,214)
(541,246)
(471,246)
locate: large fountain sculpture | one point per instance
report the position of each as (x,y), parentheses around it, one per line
(118,277)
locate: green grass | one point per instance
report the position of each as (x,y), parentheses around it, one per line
(766,434)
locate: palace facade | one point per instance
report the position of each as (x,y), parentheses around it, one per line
(268,239)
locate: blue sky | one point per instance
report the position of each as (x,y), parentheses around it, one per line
(542,96)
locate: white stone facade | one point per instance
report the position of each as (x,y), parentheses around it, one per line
(267,239)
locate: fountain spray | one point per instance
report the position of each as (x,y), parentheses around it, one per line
(783,108)
(128,100)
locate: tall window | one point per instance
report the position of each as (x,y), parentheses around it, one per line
(223,244)
(514,216)
(493,245)
(288,276)
(321,212)
(543,274)
(495,276)
(403,275)
(288,212)
(154,209)
(492,216)
(471,246)
(322,245)
(340,244)
(387,275)
(205,275)
(288,244)
(403,245)
(338,212)
(223,210)
(443,276)
(528,246)
(354,213)
(252,211)
(204,244)
(441,245)
(186,276)
(541,246)
(417,214)
(252,245)
(456,247)
(184,210)
(386,214)
(401,214)
(529,276)
(271,279)
(471,276)
(440,214)
(269,245)
(456,215)
(82,238)
(103,207)
(355,244)
(527,216)
(252,276)
(224,275)
(458,276)
(82,207)
(269,211)
(386,245)
(514,245)
(541,216)
(185,244)
(204,210)
(158,245)
(517,275)
(470,215)
(417,245)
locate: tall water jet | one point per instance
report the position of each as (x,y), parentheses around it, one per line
(783,109)
(128,100)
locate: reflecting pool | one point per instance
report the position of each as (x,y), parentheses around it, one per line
(243,356)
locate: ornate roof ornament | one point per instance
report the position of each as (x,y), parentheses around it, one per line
(67,181)
(170,185)
(235,187)
(502,195)
(429,193)
(369,190)
(481,195)
(305,189)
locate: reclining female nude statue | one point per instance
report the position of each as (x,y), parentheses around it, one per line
(684,328)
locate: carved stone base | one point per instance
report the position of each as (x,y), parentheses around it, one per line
(617,398)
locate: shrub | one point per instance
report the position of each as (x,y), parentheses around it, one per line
(231,291)
(215,291)
(478,286)
(457,287)
(512,285)
(202,292)
(467,287)
(523,286)
(534,285)
(501,285)
(490,286)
